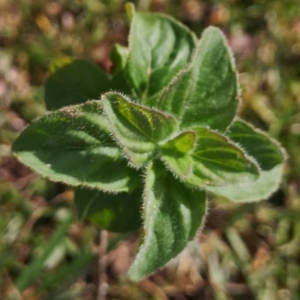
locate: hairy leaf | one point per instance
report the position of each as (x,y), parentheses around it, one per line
(182,143)
(258,144)
(269,155)
(137,128)
(206,93)
(173,215)
(179,164)
(267,183)
(73,145)
(117,213)
(176,153)
(75,83)
(217,161)
(159,47)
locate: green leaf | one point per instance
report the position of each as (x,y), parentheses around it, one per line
(75,83)
(182,143)
(159,47)
(119,57)
(218,161)
(269,155)
(176,153)
(137,128)
(59,62)
(179,164)
(206,93)
(120,83)
(73,145)
(173,214)
(130,10)
(116,213)
(267,183)
(258,144)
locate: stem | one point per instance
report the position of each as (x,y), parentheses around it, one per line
(102,260)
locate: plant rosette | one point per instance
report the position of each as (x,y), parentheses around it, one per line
(162,135)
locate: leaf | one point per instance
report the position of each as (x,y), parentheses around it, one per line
(173,214)
(267,183)
(130,10)
(120,83)
(182,143)
(59,62)
(179,164)
(116,213)
(269,155)
(176,153)
(218,161)
(206,93)
(119,57)
(73,145)
(137,129)
(75,83)
(258,144)
(159,47)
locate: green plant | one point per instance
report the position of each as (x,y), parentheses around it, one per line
(148,153)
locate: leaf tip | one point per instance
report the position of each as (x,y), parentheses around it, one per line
(130,10)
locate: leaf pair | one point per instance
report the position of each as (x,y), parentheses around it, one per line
(206,92)
(136,128)
(143,134)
